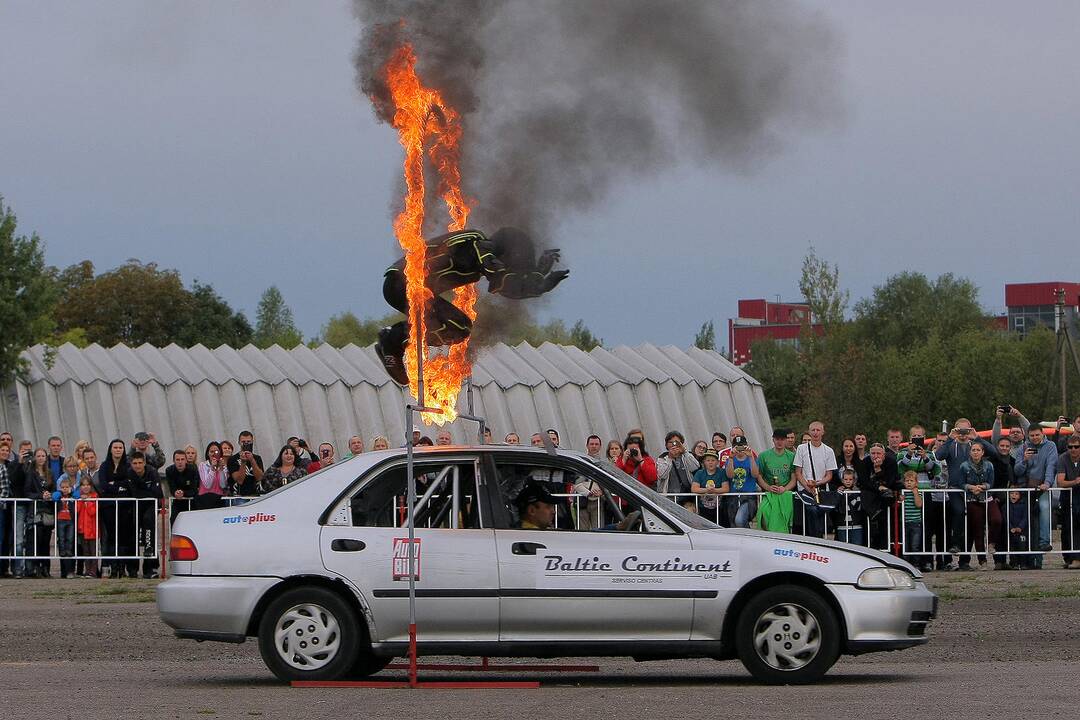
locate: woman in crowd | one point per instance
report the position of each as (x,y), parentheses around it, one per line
(847,458)
(112,478)
(80,448)
(40,485)
(192,454)
(976,478)
(284,470)
(699,451)
(213,478)
(380,443)
(614,451)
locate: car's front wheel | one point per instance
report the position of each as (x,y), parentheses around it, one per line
(787,635)
(309,633)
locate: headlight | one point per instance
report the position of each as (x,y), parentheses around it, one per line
(885,578)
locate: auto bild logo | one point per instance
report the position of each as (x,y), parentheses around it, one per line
(400,559)
(801,555)
(249,519)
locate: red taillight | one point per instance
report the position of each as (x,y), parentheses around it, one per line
(182,548)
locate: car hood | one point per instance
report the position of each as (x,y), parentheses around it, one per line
(882,557)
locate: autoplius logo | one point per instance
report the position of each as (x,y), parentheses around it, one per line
(800,555)
(248,519)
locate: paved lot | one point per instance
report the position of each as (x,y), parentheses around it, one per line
(1007,645)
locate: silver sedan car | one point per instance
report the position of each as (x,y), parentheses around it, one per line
(318,571)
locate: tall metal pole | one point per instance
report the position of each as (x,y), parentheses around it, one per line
(1059,322)
(411,495)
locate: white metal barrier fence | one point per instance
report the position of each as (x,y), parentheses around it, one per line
(133,529)
(1013,521)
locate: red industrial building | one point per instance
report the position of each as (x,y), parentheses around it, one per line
(764,320)
(1032,304)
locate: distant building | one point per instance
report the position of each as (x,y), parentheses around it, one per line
(1032,304)
(764,320)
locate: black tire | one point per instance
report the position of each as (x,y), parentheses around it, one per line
(367,664)
(787,635)
(330,623)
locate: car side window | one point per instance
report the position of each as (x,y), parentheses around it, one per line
(584,501)
(445,497)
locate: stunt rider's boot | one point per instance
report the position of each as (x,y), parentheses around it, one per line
(390,348)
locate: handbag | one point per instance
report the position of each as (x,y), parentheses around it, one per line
(44,519)
(827,499)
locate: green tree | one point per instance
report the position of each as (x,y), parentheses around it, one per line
(908,306)
(133,304)
(582,337)
(345,328)
(820,285)
(274,321)
(780,369)
(27,293)
(211,321)
(706,337)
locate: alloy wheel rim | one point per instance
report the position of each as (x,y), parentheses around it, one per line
(307,636)
(787,637)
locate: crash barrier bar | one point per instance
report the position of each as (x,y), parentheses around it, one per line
(1038,511)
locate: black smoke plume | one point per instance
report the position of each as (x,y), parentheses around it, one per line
(564,100)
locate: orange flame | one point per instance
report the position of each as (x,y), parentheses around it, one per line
(420,115)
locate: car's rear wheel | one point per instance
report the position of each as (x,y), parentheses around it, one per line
(787,635)
(309,633)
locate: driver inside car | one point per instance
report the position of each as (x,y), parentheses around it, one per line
(536,507)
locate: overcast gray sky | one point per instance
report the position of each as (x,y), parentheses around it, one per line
(228,141)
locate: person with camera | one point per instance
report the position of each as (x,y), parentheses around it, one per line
(245,467)
(916,458)
(1061,439)
(675,469)
(636,462)
(303,456)
(147,444)
(326,457)
(955,452)
(1016,434)
(1037,468)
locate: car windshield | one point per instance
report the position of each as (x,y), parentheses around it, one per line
(666,504)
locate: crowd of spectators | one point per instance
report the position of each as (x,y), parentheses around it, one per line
(945,501)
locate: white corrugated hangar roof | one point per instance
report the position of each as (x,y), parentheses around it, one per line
(194,395)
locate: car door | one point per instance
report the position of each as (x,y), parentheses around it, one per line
(365,540)
(570,584)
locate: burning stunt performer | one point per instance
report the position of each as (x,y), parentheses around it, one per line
(507,259)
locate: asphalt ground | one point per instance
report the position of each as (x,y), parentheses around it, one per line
(1006,644)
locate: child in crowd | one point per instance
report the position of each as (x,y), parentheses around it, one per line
(850,517)
(1018,538)
(710,482)
(742,474)
(913,519)
(977,477)
(65,524)
(86,520)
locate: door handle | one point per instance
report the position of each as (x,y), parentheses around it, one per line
(526,548)
(347,545)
